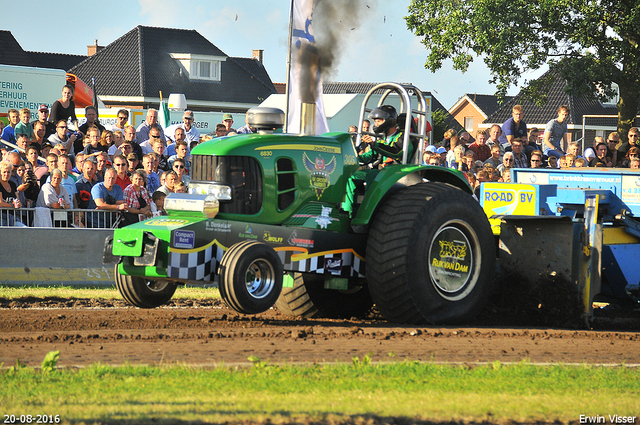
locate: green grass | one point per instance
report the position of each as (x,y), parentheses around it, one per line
(106,292)
(496,392)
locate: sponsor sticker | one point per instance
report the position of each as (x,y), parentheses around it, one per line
(271,239)
(296,241)
(184,239)
(214,226)
(320,171)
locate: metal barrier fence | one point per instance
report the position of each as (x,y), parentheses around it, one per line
(48,217)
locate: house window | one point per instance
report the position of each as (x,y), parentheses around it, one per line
(613,100)
(468,124)
(205,70)
(200,67)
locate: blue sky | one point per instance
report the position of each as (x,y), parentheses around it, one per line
(379,48)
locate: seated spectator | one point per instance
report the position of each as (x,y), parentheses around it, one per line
(40,133)
(62,136)
(552,162)
(580,162)
(536,159)
(77,169)
(154,134)
(634,164)
(121,166)
(506,175)
(180,187)
(137,199)
(180,169)
(8,132)
(106,196)
(520,160)
(158,199)
(507,162)
(43,119)
(53,194)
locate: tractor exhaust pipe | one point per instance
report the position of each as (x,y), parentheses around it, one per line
(308,119)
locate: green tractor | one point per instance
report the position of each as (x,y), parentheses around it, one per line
(263,219)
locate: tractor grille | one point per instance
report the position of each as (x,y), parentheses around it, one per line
(242,173)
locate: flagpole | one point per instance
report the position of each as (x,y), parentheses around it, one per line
(286,106)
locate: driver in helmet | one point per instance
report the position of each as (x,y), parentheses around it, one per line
(384,150)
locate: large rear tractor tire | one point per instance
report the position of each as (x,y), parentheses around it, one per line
(430,256)
(308,298)
(250,277)
(144,293)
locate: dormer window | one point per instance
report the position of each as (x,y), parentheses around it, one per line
(200,67)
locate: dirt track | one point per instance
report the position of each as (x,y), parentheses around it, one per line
(89,331)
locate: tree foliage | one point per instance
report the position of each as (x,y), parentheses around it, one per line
(594,43)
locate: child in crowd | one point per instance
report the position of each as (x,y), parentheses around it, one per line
(180,187)
(571,160)
(581,162)
(158,199)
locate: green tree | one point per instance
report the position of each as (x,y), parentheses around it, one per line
(592,43)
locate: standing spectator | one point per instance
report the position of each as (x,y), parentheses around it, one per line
(53,194)
(507,162)
(61,136)
(181,153)
(91,114)
(170,179)
(39,133)
(133,161)
(179,168)
(154,134)
(179,137)
(8,188)
(29,189)
(601,159)
(555,134)
(64,108)
(451,154)
(52,164)
(106,196)
(446,141)
(514,127)
(533,141)
(612,142)
(574,149)
(463,139)
(137,199)
(118,138)
(495,158)
(191,133)
(24,126)
(221,130)
(142,132)
(245,129)
(32,157)
(153,181)
(520,160)
(227,120)
(106,140)
(43,118)
(121,121)
(130,136)
(85,184)
(101,165)
(93,147)
(121,166)
(494,135)
(68,182)
(481,151)
(158,149)
(158,199)
(8,133)
(633,139)
(633,153)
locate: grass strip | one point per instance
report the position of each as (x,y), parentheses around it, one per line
(333,393)
(104,292)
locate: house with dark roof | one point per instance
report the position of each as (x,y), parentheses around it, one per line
(135,68)
(473,109)
(599,118)
(11,53)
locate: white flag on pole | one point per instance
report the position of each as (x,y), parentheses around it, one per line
(305,79)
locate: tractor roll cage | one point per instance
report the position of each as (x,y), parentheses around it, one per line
(404,91)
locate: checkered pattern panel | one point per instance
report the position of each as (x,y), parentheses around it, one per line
(199,265)
(351,264)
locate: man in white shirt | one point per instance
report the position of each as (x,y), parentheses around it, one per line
(191,133)
(142,132)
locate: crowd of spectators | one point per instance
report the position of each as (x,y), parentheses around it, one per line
(111,175)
